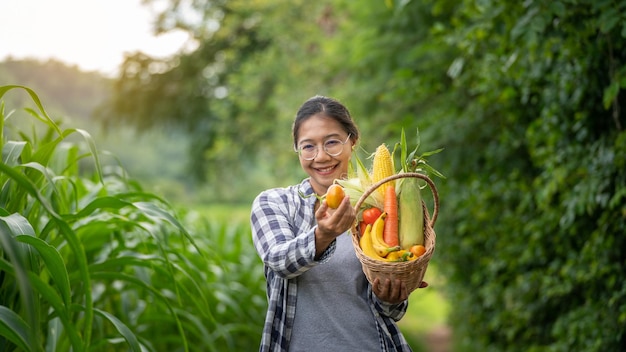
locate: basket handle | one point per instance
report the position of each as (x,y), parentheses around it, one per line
(430,183)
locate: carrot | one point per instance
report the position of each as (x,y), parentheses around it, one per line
(390,206)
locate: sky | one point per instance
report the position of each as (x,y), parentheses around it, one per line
(92,34)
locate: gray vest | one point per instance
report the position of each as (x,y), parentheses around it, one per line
(332,311)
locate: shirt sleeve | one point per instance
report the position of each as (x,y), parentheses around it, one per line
(393,311)
(285,243)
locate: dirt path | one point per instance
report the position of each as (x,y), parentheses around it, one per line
(438,339)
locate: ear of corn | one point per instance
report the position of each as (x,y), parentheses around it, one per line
(410,213)
(382,167)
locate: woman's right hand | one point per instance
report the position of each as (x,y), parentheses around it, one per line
(332,223)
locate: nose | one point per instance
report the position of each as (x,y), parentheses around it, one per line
(321,155)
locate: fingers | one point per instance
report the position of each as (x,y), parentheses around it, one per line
(335,221)
(392,291)
(321,211)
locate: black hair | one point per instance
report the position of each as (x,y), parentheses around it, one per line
(329,107)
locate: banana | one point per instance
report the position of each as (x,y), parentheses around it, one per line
(381,248)
(366,244)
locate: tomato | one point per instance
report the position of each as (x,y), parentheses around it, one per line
(371,214)
(334,195)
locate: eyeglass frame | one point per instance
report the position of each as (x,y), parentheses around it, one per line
(298,150)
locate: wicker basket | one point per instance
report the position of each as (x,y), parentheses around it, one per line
(410,272)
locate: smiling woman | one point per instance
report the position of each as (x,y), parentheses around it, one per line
(94,35)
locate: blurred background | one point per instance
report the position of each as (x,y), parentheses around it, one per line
(194,100)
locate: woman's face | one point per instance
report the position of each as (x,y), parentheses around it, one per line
(324,169)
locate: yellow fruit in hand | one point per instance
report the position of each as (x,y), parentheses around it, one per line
(334,196)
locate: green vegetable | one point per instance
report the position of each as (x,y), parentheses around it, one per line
(410,213)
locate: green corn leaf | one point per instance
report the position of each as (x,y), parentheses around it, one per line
(18,262)
(94,151)
(49,295)
(155,212)
(138,282)
(15,329)
(18,225)
(54,264)
(81,267)
(122,329)
(25,184)
(107,202)
(35,98)
(11,152)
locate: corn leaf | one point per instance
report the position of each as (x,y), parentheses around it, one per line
(54,264)
(15,329)
(128,335)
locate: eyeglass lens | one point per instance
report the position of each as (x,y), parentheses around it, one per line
(333,147)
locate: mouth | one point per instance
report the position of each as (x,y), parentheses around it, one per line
(326,170)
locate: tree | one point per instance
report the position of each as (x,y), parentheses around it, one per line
(534,203)
(222,92)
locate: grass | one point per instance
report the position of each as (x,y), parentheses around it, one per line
(224,213)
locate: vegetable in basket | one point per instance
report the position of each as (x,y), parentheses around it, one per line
(400,199)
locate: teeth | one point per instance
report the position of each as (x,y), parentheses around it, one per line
(326,169)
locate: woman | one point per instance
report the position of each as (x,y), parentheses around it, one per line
(319,298)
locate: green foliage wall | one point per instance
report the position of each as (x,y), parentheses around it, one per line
(535,201)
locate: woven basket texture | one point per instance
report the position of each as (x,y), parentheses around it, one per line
(410,272)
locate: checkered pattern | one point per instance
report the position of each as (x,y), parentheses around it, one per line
(283,225)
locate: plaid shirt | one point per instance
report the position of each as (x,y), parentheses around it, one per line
(283,226)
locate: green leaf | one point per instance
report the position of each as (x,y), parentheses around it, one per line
(18,225)
(35,98)
(403,151)
(107,202)
(610,93)
(25,184)
(54,264)
(49,295)
(15,329)
(19,262)
(136,281)
(122,329)
(155,212)
(609,18)
(558,8)
(11,152)
(94,151)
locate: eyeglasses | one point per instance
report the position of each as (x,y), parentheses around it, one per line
(332,147)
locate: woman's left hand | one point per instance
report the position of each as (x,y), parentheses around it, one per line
(392,291)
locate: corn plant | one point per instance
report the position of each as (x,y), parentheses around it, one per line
(91,261)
